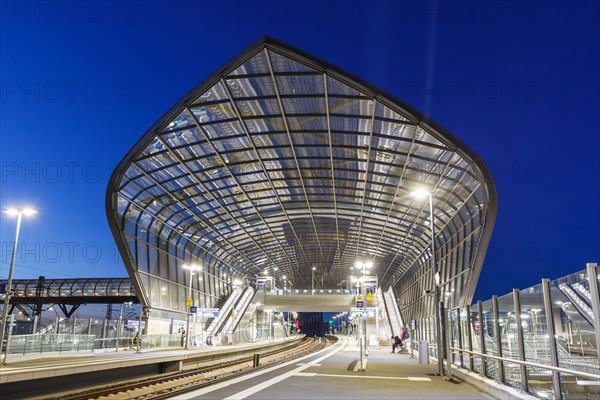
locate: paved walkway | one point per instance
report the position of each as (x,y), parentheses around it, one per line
(328,375)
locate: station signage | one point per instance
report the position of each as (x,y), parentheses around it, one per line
(359,311)
(359,301)
(264,283)
(133,324)
(209,312)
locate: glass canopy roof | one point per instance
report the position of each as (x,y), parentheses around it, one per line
(284,163)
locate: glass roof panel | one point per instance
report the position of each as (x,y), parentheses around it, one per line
(307,123)
(350,106)
(256,65)
(223,129)
(251,87)
(335,87)
(331,178)
(294,85)
(283,64)
(213,112)
(181,121)
(304,105)
(215,93)
(251,108)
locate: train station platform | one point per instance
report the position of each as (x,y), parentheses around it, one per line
(328,374)
(65,371)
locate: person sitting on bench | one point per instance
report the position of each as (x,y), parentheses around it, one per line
(397,342)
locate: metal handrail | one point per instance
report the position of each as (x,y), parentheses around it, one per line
(530,364)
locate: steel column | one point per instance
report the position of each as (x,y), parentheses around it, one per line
(498,338)
(520,339)
(470,338)
(556,384)
(482,338)
(460,341)
(592,271)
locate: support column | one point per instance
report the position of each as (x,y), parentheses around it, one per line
(592,271)
(498,338)
(460,341)
(520,339)
(470,338)
(482,338)
(556,384)
(35,323)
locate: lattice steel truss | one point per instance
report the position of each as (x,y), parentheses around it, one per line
(282,160)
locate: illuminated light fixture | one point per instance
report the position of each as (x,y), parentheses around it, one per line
(8,289)
(192,267)
(24,211)
(420,193)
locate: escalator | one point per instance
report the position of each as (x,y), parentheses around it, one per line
(224,313)
(579,301)
(392,311)
(238,311)
(583,291)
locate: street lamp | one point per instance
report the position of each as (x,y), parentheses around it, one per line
(8,291)
(313,279)
(420,194)
(189,302)
(364,268)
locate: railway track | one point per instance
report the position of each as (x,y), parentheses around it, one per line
(166,386)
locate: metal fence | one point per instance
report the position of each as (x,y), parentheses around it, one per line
(542,340)
(49,343)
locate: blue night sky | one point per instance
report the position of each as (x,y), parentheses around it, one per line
(518,82)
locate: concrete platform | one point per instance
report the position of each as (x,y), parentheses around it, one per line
(63,363)
(328,375)
(66,371)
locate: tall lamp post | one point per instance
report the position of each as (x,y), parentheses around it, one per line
(8,291)
(189,302)
(364,268)
(420,194)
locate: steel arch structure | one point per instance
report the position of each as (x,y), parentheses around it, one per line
(279,163)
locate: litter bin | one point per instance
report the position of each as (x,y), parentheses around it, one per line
(423,352)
